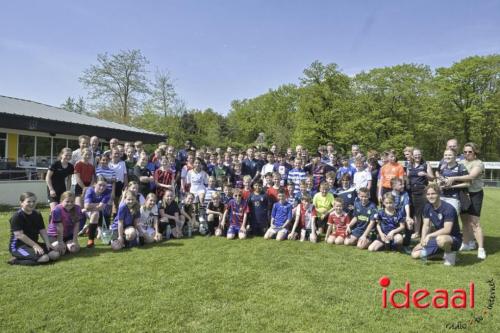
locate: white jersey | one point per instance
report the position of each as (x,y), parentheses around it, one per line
(198,181)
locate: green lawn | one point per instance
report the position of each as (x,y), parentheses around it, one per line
(212,284)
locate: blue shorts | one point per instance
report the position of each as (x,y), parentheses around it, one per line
(233,230)
(358,232)
(432,247)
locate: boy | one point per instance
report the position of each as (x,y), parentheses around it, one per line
(323,202)
(281,216)
(402,202)
(258,204)
(361,226)
(305,221)
(237,213)
(297,174)
(362,177)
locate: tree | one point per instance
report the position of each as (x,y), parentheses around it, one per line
(72,106)
(117,82)
(163,94)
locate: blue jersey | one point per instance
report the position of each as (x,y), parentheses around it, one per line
(388,222)
(400,201)
(236,212)
(444,213)
(457,170)
(363,214)
(348,196)
(345,170)
(259,209)
(92,197)
(283,170)
(126,216)
(281,213)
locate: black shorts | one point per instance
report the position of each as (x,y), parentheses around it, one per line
(476,199)
(322,222)
(118,189)
(55,199)
(79,190)
(25,252)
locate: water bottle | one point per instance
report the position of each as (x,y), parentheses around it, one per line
(190,231)
(168,232)
(423,256)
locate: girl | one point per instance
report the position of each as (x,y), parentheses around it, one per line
(120,169)
(197,179)
(450,168)
(169,216)
(130,162)
(25,226)
(143,174)
(57,177)
(389,226)
(97,204)
(126,224)
(65,223)
(133,187)
(108,174)
(164,177)
(338,220)
(305,221)
(188,215)
(184,171)
(84,175)
(149,219)
(215,211)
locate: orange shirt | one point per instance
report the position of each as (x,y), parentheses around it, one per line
(389,171)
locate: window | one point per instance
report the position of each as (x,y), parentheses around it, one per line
(73,144)
(58,145)
(3,151)
(26,151)
(43,155)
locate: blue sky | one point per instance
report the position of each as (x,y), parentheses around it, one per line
(218,51)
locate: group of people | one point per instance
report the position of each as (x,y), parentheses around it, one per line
(127,197)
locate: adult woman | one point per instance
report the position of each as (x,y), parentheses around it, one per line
(470,218)
(419,174)
(450,189)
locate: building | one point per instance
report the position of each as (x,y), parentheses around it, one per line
(32,135)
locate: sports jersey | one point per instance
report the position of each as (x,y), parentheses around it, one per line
(272,194)
(120,169)
(67,218)
(323,203)
(389,171)
(29,224)
(283,170)
(348,196)
(388,222)
(363,214)
(281,213)
(236,211)
(250,167)
(108,174)
(345,170)
(296,176)
(339,221)
(417,182)
(401,199)
(444,213)
(446,171)
(164,177)
(59,174)
(85,171)
(318,171)
(124,214)
(208,196)
(169,209)
(148,216)
(92,197)
(361,178)
(258,205)
(306,216)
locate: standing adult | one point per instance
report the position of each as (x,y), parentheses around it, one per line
(251,166)
(470,218)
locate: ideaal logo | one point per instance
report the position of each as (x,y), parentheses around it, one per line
(439,299)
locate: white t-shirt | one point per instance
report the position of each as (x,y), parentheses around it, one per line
(148,217)
(361,179)
(120,170)
(198,181)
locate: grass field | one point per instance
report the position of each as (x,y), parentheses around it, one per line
(213,285)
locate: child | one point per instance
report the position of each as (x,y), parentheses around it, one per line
(283,168)
(221,172)
(272,191)
(126,224)
(338,220)
(106,173)
(323,202)
(84,175)
(25,226)
(237,213)
(120,169)
(197,179)
(215,212)
(143,175)
(169,218)
(188,215)
(281,216)
(268,167)
(247,187)
(149,219)
(133,187)
(65,223)
(268,180)
(57,177)
(402,204)
(290,193)
(305,221)
(362,177)
(227,194)
(237,176)
(330,180)
(164,177)
(309,182)
(361,226)
(97,206)
(389,226)
(345,169)
(347,192)
(258,203)
(297,174)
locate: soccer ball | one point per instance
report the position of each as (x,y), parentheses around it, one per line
(130,234)
(218,232)
(61,252)
(116,245)
(72,247)
(203,229)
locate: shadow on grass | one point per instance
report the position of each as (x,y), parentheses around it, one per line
(491,244)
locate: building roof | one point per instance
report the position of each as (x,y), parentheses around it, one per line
(28,109)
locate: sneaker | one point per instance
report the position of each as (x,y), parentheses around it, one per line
(464,247)
(472,245)
(407,250)
(90,244)
(449,258)
(481,253)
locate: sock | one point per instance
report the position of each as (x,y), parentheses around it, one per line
(92,231)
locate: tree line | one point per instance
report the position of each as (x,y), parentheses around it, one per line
(383,108)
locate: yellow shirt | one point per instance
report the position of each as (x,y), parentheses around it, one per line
(323,203)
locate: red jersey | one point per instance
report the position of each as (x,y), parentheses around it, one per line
(272,193)
(340,223)
(86,172)
(163,177)
(306,216)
